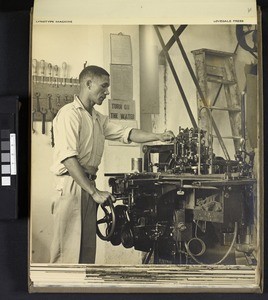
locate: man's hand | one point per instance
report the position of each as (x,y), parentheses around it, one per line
(102,196)
(140,136)
(167,136)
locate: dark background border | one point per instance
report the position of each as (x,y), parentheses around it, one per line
(14,61)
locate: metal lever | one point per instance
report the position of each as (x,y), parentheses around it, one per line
(33,112)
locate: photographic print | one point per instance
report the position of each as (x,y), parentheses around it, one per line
(146,157)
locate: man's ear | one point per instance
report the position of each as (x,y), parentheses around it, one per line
(89,83)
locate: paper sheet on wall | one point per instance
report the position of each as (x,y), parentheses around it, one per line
(121,49)
(122,82)
(122,110)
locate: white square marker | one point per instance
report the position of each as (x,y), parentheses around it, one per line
(5,157)
(6,169)
(6,181)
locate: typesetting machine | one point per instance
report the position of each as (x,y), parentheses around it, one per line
(190,206)
(195,208)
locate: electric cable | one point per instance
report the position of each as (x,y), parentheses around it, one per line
(222,259)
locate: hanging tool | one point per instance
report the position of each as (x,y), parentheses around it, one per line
(51,111)
(56,74)
(37,95)
(34,66)
(42,69)
(49,114)
(58,100)
(43,112)
(33,112)
(49,96)
(36,113)
(49,67)
(64,73)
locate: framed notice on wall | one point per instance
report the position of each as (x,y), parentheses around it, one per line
(121,49)
(122,82)
(122,109)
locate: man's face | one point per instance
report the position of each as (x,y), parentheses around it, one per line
(99,89)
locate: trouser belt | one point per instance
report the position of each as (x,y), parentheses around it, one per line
(89,176)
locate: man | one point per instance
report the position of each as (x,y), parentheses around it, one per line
(79,134)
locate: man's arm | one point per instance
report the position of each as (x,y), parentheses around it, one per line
(140,136)
(79,176)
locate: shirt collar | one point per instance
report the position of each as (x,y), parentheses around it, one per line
(78,104)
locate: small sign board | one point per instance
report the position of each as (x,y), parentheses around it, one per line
(122,109)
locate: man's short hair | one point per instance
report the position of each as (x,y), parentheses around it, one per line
(92,71)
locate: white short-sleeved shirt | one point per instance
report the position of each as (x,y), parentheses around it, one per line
(77,133)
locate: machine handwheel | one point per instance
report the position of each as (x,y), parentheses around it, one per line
(108,220)
(247,37)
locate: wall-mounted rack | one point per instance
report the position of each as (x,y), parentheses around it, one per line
(50,91)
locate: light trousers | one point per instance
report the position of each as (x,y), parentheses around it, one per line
(74,234)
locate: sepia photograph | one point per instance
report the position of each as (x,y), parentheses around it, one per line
(146,154)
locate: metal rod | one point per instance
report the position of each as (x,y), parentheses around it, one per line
(176,77)
(217,95)
(199,152)
(172,39)
(147,256)
(243,116)
(210,137)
